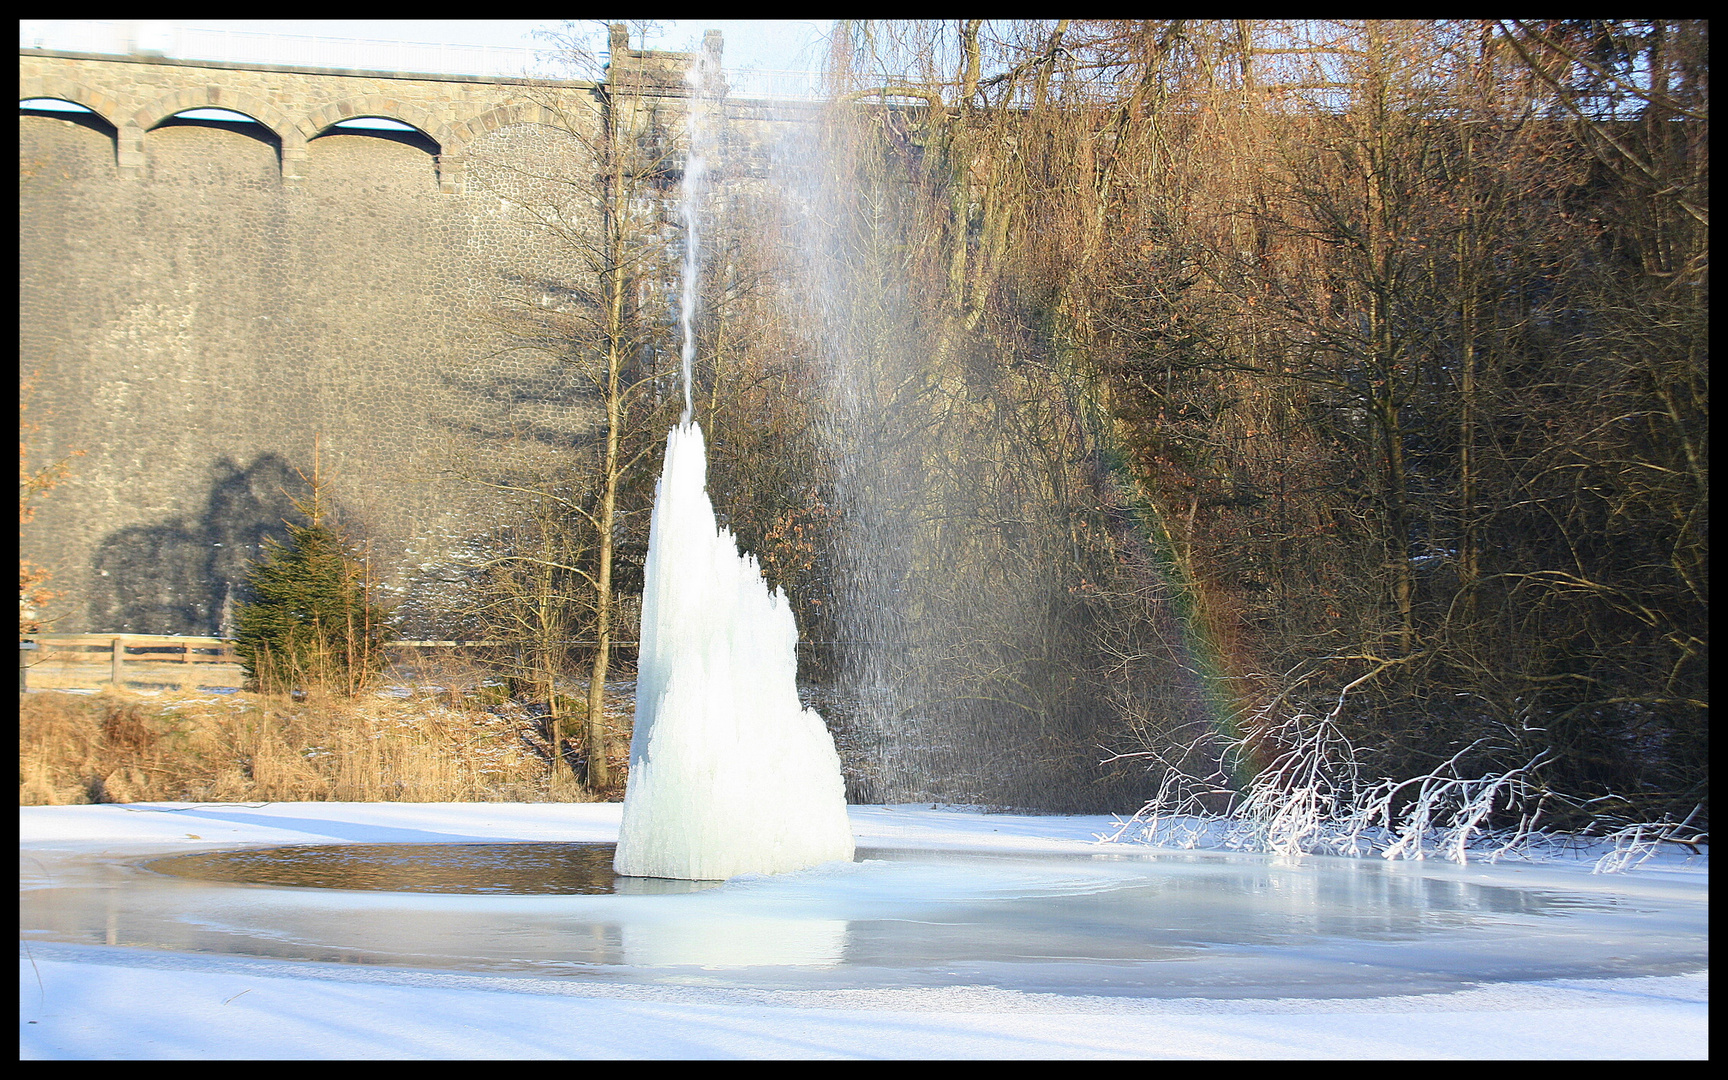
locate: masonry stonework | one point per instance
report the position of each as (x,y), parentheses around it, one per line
(199,301)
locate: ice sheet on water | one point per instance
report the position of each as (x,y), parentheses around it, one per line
(729,773)
(1148,924)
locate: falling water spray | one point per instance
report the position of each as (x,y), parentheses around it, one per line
(703,78)
(862,321)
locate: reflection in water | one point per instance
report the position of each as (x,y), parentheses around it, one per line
(522,869)
(736,943)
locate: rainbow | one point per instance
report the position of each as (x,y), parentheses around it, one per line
(1211,646)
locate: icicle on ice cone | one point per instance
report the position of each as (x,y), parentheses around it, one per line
(729,773)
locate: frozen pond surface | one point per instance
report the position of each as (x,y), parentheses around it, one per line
(1113,919)
(937,902)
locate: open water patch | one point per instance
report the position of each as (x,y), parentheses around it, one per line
(513,869)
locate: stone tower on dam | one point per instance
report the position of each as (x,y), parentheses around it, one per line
(200,300)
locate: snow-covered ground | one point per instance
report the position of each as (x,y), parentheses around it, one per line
(782,967)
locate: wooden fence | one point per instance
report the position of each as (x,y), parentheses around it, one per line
(139,661)
(160,662)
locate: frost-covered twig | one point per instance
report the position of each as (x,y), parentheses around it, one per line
(1312,797)
(1177,817)
(1635,844)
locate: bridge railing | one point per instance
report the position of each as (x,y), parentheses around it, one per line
(150,37)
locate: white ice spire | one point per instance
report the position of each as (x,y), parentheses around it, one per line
(729,773)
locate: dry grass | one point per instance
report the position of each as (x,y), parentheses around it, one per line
(126,747)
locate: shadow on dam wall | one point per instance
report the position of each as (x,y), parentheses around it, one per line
(174,578)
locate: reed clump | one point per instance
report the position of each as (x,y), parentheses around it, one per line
(247,747)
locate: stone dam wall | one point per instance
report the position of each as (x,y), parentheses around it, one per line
(199,301)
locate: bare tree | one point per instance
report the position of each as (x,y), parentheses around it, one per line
(34,481)
(1396,331)
(589,198)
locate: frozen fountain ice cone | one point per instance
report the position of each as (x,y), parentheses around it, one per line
(729,773)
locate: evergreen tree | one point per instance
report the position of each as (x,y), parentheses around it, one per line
(313,618)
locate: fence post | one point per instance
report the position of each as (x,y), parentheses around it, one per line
(24,664)
(114,664)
